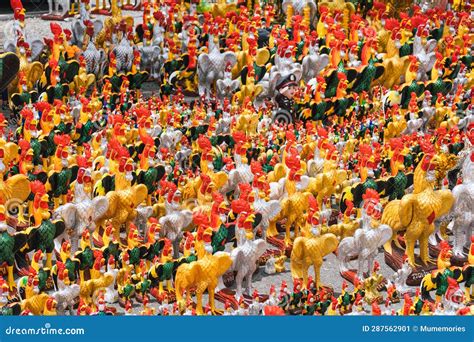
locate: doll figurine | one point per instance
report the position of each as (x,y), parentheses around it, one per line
(286,88)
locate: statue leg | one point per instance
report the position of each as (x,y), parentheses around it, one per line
(305,275)
(467,241)
(238,281)
(169,285)
(160,288)
(248,279)
(317,275)
(56,202)
(424,249)
(288,225)
(116,230)
(212,301)
(81,275)
(410,240)
(72,7)
(176,248)
(49,258)
(271,230)
(199,302)
(21,216)
(360,267)
(11,281)
(458,241)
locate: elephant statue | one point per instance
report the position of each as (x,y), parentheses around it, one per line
(203,275)
(211,66)
(122,205)
(152,60)
(78,217)
(309,251)
(244,262)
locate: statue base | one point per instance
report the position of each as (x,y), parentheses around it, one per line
(279,242)
(97,240)
(228,279)
(351,275)
(170,295)
(132,7)
(56,16)
(378,299)
(248,299)
(102,11)
(227,295)
(267,255)
(395,261)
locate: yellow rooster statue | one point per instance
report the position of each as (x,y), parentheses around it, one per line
(415,213)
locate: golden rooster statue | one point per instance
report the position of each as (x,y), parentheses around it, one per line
(415,213)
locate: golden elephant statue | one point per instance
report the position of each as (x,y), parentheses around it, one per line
(309,251)
(202,274)
(122,207)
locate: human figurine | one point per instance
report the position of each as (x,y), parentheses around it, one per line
(286,88)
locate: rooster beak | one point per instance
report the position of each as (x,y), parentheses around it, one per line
(250,218)
(223,206)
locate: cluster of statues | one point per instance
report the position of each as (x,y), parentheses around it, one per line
(161,161)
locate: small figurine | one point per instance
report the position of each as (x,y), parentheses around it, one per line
(286,88)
